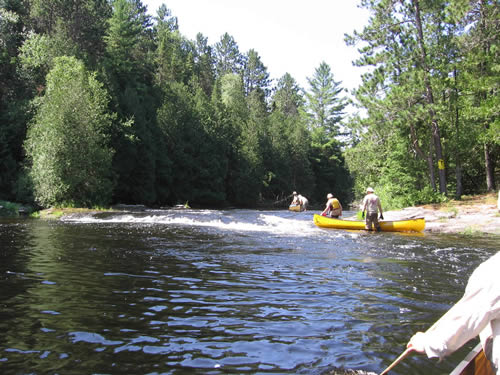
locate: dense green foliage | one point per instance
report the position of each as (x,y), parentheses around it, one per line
(325,111)
(431,99)
(101,103)
(67,142)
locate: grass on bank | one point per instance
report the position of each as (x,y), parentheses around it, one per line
(58,212)
(9,208)
(472,231)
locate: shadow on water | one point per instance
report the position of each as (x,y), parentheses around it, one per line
(215,292)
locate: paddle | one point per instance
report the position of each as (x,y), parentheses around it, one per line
(399,359)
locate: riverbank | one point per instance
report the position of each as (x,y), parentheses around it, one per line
(473,215)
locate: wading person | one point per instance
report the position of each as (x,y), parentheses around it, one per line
(303,202)
(333,207)
(372,206)
(299,200)
(476,313)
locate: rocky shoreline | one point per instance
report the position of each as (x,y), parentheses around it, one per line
(471,219)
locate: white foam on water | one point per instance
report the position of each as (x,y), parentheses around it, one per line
(277,222)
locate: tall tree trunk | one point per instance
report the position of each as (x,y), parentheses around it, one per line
(436,136)
(458,162)
(458,176)
(488,162)
(490,168)
(430,164)
(427,158)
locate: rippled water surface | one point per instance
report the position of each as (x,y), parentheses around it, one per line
(221,292)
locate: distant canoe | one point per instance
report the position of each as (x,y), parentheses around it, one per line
(295,208)
(410,225)
(475,363)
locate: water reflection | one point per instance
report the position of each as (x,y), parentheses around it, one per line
(242,292)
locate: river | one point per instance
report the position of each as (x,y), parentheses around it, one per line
(221,292)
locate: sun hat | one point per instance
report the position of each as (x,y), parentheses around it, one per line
(370,190)
(294,193)
(329,196)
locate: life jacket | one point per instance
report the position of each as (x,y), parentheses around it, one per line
(334,203)
(335,209)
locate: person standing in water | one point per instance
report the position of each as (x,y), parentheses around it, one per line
(372,206)
(300,200)
(333,207)
(303,202)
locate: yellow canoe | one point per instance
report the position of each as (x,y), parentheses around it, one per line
(475,363)
(295,208)
(410,225)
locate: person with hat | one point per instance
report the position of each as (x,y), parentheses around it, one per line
(333,207)
(300,200)
(371,204)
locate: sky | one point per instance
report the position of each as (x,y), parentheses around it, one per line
(290,36)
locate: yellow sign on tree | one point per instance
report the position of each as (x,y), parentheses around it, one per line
(441,164)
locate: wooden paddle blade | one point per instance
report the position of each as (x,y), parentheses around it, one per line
(399,359)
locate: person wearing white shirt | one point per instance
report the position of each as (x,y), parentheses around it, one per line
(300,200)
(371,204)
(476,313)
(303,202)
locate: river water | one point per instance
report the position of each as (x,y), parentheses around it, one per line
(221,292)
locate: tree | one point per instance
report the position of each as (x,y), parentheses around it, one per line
(122,39)
(68,141)
(480,67)
(403,42)
(174,54)
(288,167)
(255,75)
(243,180)
(287,97)
(198,166)
(204,66)
(324,103)
(227,56)
(77,27)
(325,109)
(255,140)
(129,73)
(429,94)
(15,93)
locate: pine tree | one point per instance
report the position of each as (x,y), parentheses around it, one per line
(128,72)
(228,56)
(325,107)
(289,167)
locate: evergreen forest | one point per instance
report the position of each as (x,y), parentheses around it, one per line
(103,103)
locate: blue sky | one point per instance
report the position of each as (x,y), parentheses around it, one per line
(292,36)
